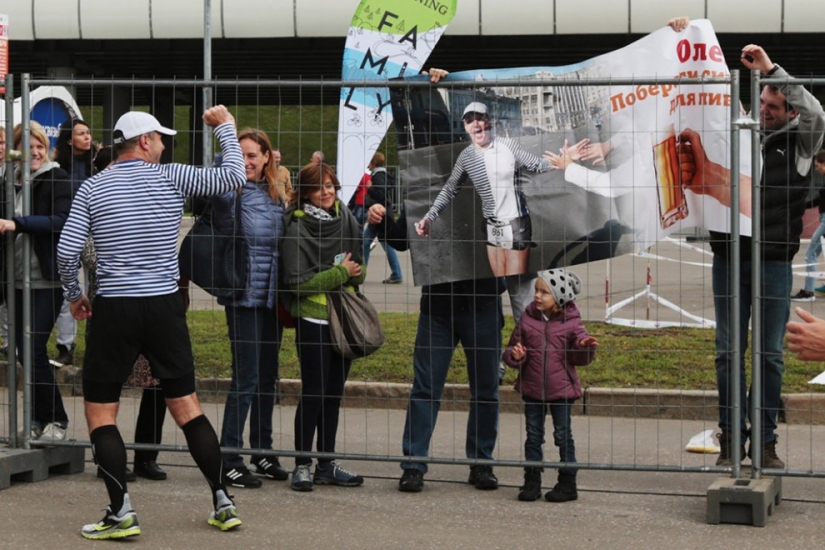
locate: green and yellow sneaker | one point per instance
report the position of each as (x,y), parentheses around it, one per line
(113,527)
(225,518)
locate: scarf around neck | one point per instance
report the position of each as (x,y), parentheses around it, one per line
(310,244)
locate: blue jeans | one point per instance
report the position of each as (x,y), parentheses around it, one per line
(360,214)
(255,336)
(323,375)
(776,291)
(47,403)
(814,249)
(535,412)
(370,232)
(479,332)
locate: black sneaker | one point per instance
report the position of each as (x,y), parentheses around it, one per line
(242,478)
(483,478)
(268,466)
(65,356)
(412,481)
(804,296)
(150,470)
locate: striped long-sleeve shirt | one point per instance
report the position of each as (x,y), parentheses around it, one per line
(133,212)
(494,173)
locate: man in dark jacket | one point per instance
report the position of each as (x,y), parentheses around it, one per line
(380,192)
(793,123)
(463,311)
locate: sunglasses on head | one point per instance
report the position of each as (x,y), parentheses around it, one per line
(470,117)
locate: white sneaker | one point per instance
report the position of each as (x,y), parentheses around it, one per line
(34,434)
(53,432)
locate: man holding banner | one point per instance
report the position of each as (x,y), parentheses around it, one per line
(466,312)
(793,122)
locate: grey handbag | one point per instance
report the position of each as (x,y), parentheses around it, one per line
(353,324)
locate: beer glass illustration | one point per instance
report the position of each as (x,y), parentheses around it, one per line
(672,201)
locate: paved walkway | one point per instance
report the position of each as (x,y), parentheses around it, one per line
(616,509)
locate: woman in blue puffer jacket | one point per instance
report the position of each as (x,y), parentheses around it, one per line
(254,330)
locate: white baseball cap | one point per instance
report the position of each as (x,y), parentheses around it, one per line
(137,123)
(475,107)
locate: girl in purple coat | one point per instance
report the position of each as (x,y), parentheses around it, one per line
(546,346)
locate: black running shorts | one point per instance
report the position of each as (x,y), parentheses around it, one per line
(124,328)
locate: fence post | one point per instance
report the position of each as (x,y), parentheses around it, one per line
(25,177)
(9,262)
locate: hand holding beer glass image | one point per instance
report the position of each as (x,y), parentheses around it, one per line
(702,176)
(672,202)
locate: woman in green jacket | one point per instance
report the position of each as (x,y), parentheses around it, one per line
(321,253)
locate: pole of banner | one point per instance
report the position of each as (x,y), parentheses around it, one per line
(9,263)
(756,280)
(607,292)
(647,287)
(207,75)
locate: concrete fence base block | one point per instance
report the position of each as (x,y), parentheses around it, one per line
(743,501)
(37,464)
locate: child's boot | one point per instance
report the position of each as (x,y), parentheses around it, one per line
(531,490)
(564,490)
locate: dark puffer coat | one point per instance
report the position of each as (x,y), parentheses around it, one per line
(548,371)
(52,194)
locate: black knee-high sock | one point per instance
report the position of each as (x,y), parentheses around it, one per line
(205,449)
(110,455)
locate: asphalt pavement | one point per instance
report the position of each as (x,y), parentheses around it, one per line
(624,502)
(617,509)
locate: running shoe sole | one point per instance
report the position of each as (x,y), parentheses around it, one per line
(225,520)
(331,481)
(128,527)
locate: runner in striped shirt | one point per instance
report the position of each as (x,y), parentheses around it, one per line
(133,211)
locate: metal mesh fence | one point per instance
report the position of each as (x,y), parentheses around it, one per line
(649,304)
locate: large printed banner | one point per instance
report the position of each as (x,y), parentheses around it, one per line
(4,48)
(512,177)
(387,39)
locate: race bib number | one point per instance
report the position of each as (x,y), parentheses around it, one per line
(500,236)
